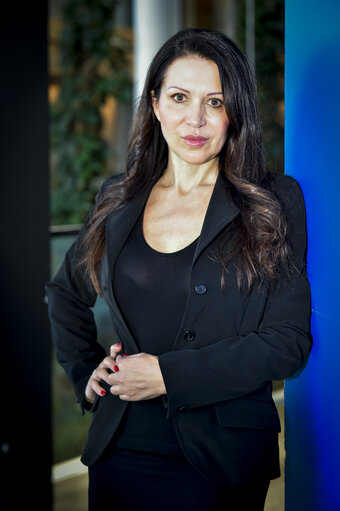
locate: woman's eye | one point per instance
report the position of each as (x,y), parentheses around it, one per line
(215,103)
(178,97)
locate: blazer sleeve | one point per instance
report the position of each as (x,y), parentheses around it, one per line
(70,298)
(280,347)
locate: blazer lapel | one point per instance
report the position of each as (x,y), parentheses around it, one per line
(221,211)
(118,228)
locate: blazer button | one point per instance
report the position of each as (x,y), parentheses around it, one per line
(182,409)
(201,289)
(189,335)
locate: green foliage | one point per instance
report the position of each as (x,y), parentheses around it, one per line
(95,64)
(270,72)
(269,41)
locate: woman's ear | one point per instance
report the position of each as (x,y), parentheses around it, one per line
(154,104)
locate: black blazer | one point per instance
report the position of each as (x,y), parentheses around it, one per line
(229,348)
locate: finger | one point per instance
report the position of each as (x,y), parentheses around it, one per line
(119,358)
(114,378)
(115,348)
(101,373)
(108,363)
(124,397)
(97,388)
(115,390)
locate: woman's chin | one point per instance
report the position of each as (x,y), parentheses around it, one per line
(194,158)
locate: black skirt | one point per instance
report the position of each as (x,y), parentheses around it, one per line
(126,480)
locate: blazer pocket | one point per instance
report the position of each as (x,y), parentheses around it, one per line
(248,413)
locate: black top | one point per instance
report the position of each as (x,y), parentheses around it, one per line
(151,289)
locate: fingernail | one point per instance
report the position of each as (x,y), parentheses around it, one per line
(116,368)
(125,354)
(103,392)
(119,345)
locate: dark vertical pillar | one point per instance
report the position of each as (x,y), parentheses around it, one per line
(25,425)
(312,403)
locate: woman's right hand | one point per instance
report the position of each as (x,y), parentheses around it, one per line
(93,387)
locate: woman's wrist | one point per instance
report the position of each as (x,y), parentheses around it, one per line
(87,403)
(88,400)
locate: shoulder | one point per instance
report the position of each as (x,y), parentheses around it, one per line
(289,194)
(285,187)
(287,190)
(112,180)
(109,183)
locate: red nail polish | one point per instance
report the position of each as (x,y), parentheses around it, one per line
(116,368)
(119,345)
(125,354)
(103,392)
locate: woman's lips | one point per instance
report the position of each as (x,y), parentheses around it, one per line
(195,141)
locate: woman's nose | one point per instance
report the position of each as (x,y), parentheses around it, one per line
(196,115)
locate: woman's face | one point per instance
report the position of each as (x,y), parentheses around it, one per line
(191,111)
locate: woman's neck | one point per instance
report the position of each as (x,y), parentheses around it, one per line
(184,176)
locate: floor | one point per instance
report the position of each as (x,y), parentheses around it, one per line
(70,494)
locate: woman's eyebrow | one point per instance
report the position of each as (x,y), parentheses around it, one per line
(185,90)
(180,88)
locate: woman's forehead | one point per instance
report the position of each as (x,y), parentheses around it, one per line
(192,72)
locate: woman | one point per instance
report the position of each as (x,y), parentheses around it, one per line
(200,256)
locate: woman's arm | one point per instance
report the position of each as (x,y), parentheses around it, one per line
(71,297)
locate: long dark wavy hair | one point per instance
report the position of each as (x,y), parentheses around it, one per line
(257,237)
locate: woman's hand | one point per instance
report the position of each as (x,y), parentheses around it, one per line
(138,377)
(101,373)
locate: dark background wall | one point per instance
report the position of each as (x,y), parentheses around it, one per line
(25,426)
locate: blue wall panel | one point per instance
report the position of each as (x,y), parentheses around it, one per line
(312,401)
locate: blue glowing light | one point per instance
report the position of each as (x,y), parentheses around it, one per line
(312,140)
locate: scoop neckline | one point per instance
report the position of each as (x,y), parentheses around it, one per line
(163,254)
(168,254)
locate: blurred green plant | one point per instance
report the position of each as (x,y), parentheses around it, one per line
(95,66)
(270,30)
(269,42)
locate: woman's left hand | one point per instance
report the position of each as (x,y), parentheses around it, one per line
(137,377)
